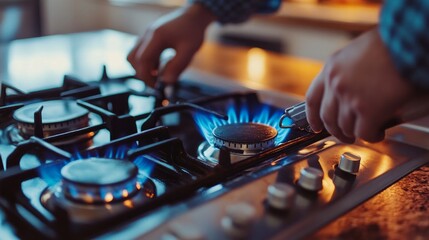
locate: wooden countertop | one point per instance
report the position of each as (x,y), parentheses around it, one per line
(351,18)
(258,69)
(399,212)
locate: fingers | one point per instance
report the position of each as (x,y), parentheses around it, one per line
(346,120)
(182,30)
(144,58)
(132,54)
(368,130)
(370,122)
(322,110)
(313,101)
(147,60)
(329,115)
(177,64)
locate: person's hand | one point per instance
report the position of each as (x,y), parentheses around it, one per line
(183,30)
(357,92)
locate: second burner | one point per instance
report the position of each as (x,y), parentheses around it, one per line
(244,138)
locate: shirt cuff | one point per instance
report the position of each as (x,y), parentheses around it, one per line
(403,29)
(237,11)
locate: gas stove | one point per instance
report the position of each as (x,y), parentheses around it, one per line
(210,161)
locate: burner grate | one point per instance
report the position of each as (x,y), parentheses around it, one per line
(164,151)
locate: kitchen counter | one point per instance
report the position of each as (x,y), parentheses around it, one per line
(399,212)
(258,69)
(351,18)
(355,18)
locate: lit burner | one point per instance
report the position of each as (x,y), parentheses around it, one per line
(240,139)
(95,188)
(58,116)
(245,138)
(100,180)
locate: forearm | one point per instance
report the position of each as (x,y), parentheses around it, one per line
(199,14)
(236,11)
(404,30)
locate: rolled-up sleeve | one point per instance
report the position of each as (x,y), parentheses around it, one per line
(404,28)
(237,11)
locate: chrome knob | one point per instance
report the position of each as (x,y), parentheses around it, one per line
(238,218)
(280,196)
(349,163)
(311,179)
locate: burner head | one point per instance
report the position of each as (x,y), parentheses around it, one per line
(58,116)
(245,138)
(100,180)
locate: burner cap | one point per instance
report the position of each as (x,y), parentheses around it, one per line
(100,180)
(58,116)
(98,171)
(244,137)
(54,112)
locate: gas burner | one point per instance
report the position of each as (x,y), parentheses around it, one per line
(96,187)
(58,116)
(99,180)
(240,139)
(244,138)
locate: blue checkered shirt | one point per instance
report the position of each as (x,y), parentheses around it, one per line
(404,28)
(236,11)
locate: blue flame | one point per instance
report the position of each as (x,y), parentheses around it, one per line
(264,114)
(145,166)
(112,152)
(51,173)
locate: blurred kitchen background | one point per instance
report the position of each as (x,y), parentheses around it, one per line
(306,28)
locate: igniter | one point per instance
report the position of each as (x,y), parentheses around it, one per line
(298,116)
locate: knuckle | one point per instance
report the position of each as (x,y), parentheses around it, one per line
(338,85)
(311,102)
(372,138)
(369,134)
(359,108)
(343,126)
(336,132)
(326,118)
(156,32)
(130,58)
(331,68)
(143,58)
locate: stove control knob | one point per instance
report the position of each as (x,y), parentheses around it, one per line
(311,179)
(239,217)
(349,163)
(280,196)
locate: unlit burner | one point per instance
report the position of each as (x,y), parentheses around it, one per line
(58,116)
(244,138)
(100,180)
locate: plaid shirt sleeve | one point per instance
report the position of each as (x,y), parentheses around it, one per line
(236,11)
(404,28)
